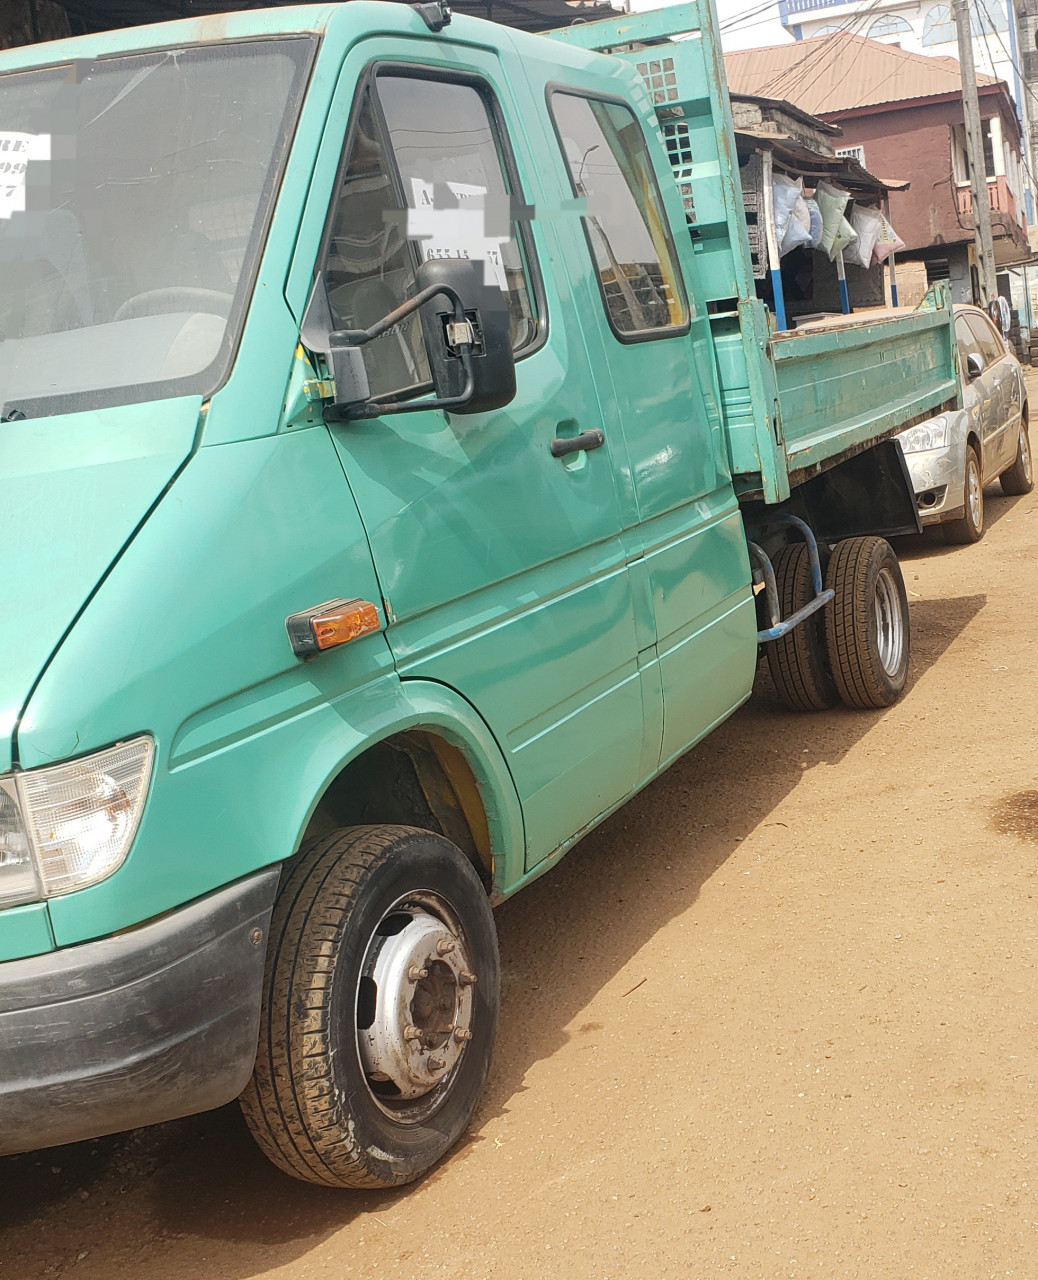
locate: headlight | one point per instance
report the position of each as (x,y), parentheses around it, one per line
(77,821)
(18,881)
(927,435)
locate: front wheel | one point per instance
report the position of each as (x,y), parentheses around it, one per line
(380,1009)
(1019,478)
(866,623)
(970,527)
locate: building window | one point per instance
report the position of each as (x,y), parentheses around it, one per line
(828,31)
(889,25)
(987,15)
(938,26)
(856,153)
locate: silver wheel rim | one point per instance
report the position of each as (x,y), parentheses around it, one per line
(890,626)
(974,494)
(1024,453)
(413,1008)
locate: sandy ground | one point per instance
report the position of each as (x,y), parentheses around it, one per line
(776,1018)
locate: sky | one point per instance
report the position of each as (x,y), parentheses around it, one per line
(749,23)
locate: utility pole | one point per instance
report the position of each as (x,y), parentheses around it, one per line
(975,153)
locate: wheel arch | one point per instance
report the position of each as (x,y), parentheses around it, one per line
(434,764)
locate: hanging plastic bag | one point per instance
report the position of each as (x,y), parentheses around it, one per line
(784,195)
(815,227)
(887,242)
(844,238)
(867,223)
(832,201)
(798,228)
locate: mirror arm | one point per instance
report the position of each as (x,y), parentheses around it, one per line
(359,337)
(379,408)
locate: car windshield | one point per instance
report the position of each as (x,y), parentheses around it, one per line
(134,196)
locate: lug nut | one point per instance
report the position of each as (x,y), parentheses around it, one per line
(412,1033)
(414,974)
(444,947)
(467,979)
(436,1064)
(461,1035)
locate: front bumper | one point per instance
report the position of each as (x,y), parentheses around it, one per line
(146,1026)
(938,479)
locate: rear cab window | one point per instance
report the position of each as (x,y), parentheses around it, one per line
(427,174)
(624,220)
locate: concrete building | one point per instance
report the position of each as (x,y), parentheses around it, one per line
(1000,39)
(901,116)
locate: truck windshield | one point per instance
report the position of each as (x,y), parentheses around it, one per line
(134,198)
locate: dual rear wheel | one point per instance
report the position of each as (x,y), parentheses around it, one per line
(856,649)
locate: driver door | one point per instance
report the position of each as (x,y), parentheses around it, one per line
(501,567)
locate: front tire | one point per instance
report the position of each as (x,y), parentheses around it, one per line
(380,1009)
(866,623)
(1020,477)
(970,527)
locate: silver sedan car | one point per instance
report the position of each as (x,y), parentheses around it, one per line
(953,456)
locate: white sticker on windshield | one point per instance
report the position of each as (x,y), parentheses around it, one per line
(16,150)
(458,230)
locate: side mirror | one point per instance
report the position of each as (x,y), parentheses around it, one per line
(467,330)
(486,311)
(974,365)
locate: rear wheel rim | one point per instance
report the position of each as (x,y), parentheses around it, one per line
(974,494)
(890,625)
(1024,454)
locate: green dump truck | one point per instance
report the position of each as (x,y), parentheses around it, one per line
(393,487)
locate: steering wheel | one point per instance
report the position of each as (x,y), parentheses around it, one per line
(157,301)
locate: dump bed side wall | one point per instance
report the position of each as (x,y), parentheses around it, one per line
(843,389)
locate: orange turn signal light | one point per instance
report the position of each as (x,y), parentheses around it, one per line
(333,623)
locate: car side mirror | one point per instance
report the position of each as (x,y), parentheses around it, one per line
(467,330)
(974,365)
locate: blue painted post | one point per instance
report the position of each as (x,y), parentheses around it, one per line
(771,243)
(841,276)
(893,281)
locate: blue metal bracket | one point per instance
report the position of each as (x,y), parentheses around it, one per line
(782,626)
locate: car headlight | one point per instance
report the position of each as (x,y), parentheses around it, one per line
(70,825)
(18,882)
(927,435)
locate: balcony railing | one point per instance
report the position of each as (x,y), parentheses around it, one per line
(1000,199)
(806,6)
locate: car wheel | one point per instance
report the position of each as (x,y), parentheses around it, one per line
(799,661)
(380,1008)
(866,623)
(970,526)
(1019,478)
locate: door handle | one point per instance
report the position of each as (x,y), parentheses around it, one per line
(585,442)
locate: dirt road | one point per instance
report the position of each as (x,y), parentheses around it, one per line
(776,1018)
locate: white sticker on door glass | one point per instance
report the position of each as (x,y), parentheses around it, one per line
(454,226)
(16,150)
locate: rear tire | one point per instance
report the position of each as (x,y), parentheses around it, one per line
(866,623)
(1020,477)
(380,1009)
(970,526)
(799,661)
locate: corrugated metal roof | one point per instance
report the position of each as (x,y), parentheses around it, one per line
(841,72)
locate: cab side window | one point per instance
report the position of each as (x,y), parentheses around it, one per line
(425,178)
(625,223)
